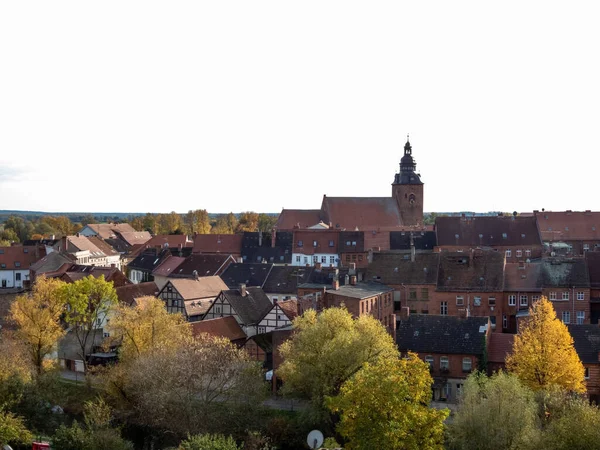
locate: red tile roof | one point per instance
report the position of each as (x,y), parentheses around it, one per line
(298,218)
(218,243)
(523,277)
(364,213)
(173,241)
(204,287)
(168,265)
(129,293)
(290,308)
(135,237)
(18,257)
(569,225)
(108,230)
(226,327)
(487,231)
(500,346)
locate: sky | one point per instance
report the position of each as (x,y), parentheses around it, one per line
(126,106)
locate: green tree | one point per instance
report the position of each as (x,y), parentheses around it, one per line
(62,225)
(543,352)
(150,223)
(385,405)
(22,228)
(498,412)
(209,442)
(13,430)
(225,224)
(89,301)
(197,221)
(87,219)
(37,316)
(266,222)
(328,349)
(8,236)
(248,222)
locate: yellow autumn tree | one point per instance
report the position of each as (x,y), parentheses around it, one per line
(37,317)
(543,352)
(147,326)
(385,405)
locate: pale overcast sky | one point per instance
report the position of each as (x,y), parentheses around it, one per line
(254,105)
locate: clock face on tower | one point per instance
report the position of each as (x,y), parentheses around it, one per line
(412,199)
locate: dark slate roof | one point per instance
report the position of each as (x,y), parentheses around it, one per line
(149,259)
(570,272)
(424,333)
(361,290)
(487,231)
(587,342)
(251,307)
(348,238)
(248,274)
(326,275)
(284,279)
(205,265)
(51,262)
(397,268)
(476,270)
(593,264)
(118,244)
(47,242)
(256,247)
(423,240)
(128,293)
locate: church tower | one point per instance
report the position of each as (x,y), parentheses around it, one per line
(407,189)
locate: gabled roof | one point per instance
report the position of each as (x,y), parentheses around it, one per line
(570,272)
(103,246)
(135,237)
(129,293)
(252,275)
(569,225)
(364,213)
(475,270)
(284,279)
(52,262)
(230,244)
(487,231)
(500,345)
(77,272)
(169,240)
(166,267)
(587,342)
(290,308)
(190,289)
(397,268)
(523,277)
(226,327)
(360,290)
(197,308)
(252,307)
(81,243)
(425,333)
(109,230)
(149,259)
(298,218)
(19,257)
(256,247)
(203,265)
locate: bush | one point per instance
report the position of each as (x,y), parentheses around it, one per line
(209,442)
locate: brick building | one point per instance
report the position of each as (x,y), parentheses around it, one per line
(452,346)
(586,339)
(579,230)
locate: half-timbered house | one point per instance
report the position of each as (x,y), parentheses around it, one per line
(280,315)
(192,298)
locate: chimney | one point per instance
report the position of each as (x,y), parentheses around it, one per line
(63,244)
(195,274)
(336,284)
(113,265)
(243,290)
(404,313)
(260,238)
(353,280)
(273,237)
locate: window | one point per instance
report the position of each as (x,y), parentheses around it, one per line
(300,243)
(444,363)
(508,253)
(347,258)
(565,295)
(493,322)
(523,300)
(580,317)
(460,300)
(331,243)
(18,276)
(587,373)
(353,243)
(17,264)
(492,301)
(528,253)
(98,322)
(444,308)
(305,259)
(519,253)
(504,321)
(586,247)
(2,266)
(315,258)
(348,243)
(459,388)
(297,258)
(106,335)
(315,243)
(360,258)
(262,330)
(324,259)
(580,296)
(512,300)
(218,309)
(429,360)
(504,235)
(424,294)
(447,390)
(552,295)
(466,365)
(332,260)
(477,301)
(535,298)
(362,307)
(412,294)
(1,251)
(566,317)
(26,250)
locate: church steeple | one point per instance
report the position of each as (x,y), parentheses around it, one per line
(408,166)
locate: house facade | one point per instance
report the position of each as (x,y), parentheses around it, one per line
(15,263)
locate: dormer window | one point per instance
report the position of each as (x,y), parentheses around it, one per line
(315,243)
(504,235)
(25,250)
(17,264)
(300,243)
(331,243)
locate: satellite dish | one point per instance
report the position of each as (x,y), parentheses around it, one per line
(315,439)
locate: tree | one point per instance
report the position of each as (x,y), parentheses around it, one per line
(150,223)
(266,222)
(385,405)
(62,225)
(326,350)
(23,229)
(147,327)
(13,430)
(206,385)
(89,301)
(197,221)
(8,236)
(248,222)
(168,223)
(38,319)
(498,412)
(543,352)
(87,219)
(209,442)
(226,224)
